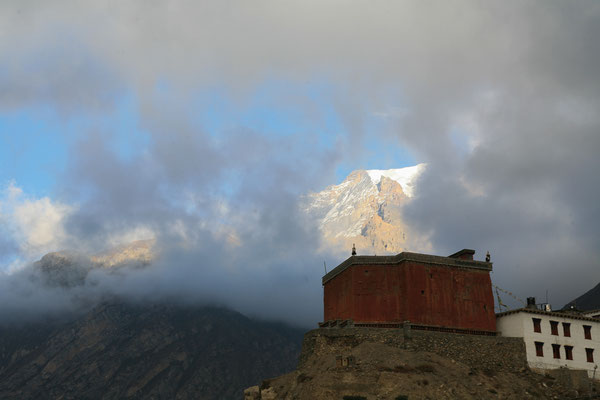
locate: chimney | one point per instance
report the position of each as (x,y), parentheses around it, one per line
(531,303)
(464,254)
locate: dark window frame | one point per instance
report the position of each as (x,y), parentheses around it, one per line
(556,351)
(589,354)
(587,332)
(554,328)
(537,325)
(539,349)
(568,352)
(566,329)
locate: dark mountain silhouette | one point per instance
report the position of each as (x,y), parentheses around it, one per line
(121,351)
(590,300)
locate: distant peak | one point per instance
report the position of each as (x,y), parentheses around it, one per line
(358,174)
(404,176)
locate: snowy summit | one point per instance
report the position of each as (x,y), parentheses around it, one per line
(406,177)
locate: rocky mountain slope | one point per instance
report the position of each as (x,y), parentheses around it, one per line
(376,363)
(366,209)
(590,300)
(121,351)
(70,268)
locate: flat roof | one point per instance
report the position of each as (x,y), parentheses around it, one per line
(589,312)
(557,314)
(406,256)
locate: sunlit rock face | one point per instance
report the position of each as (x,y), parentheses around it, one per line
(139,253)
(366,210)
(69,269)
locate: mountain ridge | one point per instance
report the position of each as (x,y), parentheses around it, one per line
(588,301)
(125,350)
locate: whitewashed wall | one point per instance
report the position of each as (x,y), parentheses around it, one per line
(520,324)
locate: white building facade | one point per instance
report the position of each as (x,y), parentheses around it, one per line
(554,340)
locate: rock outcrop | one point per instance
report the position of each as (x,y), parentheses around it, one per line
(68,268)
(376,363)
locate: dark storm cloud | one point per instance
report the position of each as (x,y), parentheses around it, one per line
(528,189)
(500,99)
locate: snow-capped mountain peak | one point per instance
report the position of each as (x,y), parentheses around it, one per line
(406,177)
(366,209)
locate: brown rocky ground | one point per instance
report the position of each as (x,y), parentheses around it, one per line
(361,363)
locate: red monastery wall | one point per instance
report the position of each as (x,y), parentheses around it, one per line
(425,294)
(338,297)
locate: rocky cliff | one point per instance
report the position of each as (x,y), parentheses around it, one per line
(376,363)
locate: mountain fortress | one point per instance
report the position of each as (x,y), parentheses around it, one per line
(454,294)
(423,326)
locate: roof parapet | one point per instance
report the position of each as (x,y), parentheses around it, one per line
(558,314)
(464,254)
(406,256)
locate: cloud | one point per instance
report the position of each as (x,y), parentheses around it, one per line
(35,226)
(269,271)
(241,242)
(498,99)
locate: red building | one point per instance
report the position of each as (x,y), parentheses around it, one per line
(452,292)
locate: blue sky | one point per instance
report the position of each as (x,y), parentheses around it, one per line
(35,141)
(32,149)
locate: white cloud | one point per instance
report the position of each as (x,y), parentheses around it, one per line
(130,235)
(35,225)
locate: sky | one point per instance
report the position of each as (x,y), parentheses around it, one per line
(202,123)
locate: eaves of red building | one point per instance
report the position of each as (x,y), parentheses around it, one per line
(449,292)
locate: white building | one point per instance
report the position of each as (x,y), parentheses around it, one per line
(554,339)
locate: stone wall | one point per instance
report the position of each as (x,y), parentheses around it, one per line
(493,353)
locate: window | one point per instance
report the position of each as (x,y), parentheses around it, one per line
(556,350)
(569,352)
(587,330)
(539,349)
(537,325)
(554,327)
(590,355)
(567,330)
